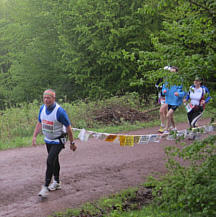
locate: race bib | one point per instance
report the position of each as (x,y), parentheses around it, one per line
(188,107)
(48,126)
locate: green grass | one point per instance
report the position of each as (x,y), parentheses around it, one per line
(151,211)
(120,205)
(19,142)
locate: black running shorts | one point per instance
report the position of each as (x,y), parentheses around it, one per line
(173,107)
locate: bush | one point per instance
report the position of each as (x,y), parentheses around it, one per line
(84,114)
(189,187)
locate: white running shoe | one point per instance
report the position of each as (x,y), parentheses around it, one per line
(44,191)
(174,129)
(166,132)
(54,186)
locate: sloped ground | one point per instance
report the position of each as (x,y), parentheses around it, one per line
(118,113)
(96,169)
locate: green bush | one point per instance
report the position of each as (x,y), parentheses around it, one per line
(18,121)
(189,186)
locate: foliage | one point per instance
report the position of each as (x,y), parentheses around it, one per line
(31,41)
(83,113)
(17,125)
(187,40)
(97,38)
(80,48)
(114,205)
(189,188)
(97,49)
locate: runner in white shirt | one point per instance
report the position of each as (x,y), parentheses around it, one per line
(197,98)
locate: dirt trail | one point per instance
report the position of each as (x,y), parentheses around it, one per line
(96,169)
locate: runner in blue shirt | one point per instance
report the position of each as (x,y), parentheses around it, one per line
(173,97)
(55,125)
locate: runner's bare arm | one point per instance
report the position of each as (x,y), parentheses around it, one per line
(37,130)
(71,138)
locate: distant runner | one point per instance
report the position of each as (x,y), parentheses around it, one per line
(161,99)
(199,96)
(173,97)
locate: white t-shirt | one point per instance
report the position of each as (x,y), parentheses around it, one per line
(196,95)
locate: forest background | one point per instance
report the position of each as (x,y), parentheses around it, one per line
(98,54)
(93,49)
(96,50)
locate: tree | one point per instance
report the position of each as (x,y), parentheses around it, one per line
(187,40)
(100,41)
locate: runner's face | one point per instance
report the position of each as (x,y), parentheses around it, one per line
(172,70)
(48,100)
(197,83)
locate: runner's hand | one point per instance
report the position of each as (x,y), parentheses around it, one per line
(202,102)
(73,147)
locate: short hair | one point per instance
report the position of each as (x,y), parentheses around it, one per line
(198,78)
(174,67)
